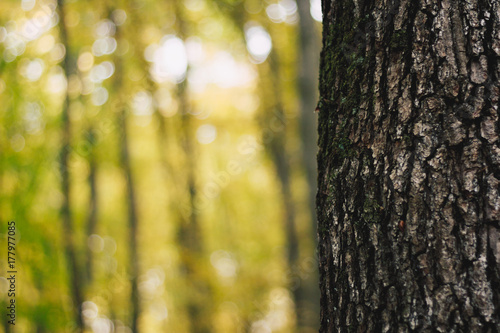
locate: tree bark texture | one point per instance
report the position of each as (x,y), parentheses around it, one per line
(409,166)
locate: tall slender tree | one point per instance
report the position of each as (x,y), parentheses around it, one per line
(190,237)
(66,216)
(93,201)
(131,196)
(274,124)
(409,166)
(308,67)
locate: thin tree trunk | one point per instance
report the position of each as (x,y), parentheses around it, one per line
(67,219)
(190,233)
(133,220)
(409,166)
(308,52)
(275,124)
(308,92)
(93,204)
(190,237)
(278,150)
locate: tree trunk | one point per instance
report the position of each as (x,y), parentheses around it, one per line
(308,49)
(66,216)
(93,204)
(189,234)
(308,90)
(409,166)
(133,219)
(133,222)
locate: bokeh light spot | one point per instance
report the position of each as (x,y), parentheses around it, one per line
(259,42)
(102,46)
(142,104)
(170,60)
(85,61)
(119,16)
(33,69)
(224,263)
(99,96)
(316,11)
(95,243)
(206,134)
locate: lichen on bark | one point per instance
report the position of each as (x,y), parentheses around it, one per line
(409,168)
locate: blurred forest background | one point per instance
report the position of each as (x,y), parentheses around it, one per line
(158,158)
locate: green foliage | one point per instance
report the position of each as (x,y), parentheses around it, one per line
(235,195)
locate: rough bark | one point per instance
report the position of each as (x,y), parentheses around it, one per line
(409,166)
(66,216)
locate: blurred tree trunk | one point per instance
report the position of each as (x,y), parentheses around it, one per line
(274,125)
(308,92)
(308,53)
(409,166)
(133,220)
(67,219)
(189,234)
(189,239)
(93,203)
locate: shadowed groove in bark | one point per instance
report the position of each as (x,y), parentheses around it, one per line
(409,166)
(66,216)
